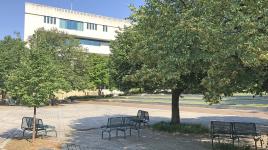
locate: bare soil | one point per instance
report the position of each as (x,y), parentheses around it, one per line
(27,144)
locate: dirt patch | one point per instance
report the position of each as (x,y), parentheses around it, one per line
(27,144)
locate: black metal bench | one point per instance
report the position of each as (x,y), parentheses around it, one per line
(132,124)
(234,130)
(27,125)
(246,130)
(126,123)
(220,129)
(114,123)
(120,124)
(143,116)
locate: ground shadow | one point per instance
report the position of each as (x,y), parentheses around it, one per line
(87,134)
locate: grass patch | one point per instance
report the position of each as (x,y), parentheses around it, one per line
(252,105)
(88,97)
(180,128)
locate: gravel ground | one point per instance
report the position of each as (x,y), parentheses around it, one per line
(71,119)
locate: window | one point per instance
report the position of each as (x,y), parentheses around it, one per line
(49,20)
(105,28)
(71,24)
(90,42)
(92,26)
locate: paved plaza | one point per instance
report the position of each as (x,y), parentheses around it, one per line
(79,123)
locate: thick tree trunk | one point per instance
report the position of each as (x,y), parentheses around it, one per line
(175,116)
(34,124)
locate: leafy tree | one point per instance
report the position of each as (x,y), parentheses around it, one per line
(49,64)
(163,49)
(97,71)
(214,47)
(121,61)
(11,50)
(240,59)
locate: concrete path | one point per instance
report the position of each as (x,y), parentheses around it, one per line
(91,115)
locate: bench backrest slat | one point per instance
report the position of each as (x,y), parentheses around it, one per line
(27,123)
(244,128)
(115,122)
(233,128)
(220,127)
(143,115)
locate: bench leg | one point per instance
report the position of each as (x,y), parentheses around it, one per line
(116,133)
(125,134)
(262,142)
(101,134)
(110,135)
(255,144)
(139,133)
(23,133)
(130,131)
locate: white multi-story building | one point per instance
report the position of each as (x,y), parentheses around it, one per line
(94,31)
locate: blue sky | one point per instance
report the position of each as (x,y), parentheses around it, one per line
(12,11)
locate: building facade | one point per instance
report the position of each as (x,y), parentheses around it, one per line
(94,31)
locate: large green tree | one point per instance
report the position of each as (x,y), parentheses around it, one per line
(52,62)
(211,47)
(163,49)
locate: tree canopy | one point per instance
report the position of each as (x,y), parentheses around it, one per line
(210,47)
(97,71)
(48,65)
(11,50)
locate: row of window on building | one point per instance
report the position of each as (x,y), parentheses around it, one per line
(74,25)
(94,26)
(90,42)
(49,20)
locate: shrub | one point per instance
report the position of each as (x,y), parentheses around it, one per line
(180,128)
(136,91)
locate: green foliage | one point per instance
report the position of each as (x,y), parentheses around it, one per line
(208,46)
(180,128)
(11,50)
(51,63)
(239,46)
(163,48)
(97,70)
(122,63)
(136,91)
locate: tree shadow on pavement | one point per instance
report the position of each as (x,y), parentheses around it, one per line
(87,134)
